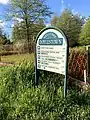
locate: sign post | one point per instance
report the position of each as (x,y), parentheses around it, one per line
(52,51)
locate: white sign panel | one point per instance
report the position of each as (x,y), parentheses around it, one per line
(51,51)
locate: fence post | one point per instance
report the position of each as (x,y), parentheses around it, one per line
(85,76)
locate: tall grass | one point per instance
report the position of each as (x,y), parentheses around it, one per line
(21,100)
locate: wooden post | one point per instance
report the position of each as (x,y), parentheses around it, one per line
(85,76)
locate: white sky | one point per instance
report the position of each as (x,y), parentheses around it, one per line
(4,1)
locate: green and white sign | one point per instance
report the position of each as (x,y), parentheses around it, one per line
(52,53)
(51,49)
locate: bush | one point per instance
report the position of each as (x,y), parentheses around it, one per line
(77,63)
(21,100)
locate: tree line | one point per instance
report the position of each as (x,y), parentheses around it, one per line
(75,27)
(34,13)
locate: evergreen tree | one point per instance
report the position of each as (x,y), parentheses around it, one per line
(71,24)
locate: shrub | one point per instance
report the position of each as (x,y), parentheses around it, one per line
(77,63)
(21,100)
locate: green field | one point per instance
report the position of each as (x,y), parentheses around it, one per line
(17,58)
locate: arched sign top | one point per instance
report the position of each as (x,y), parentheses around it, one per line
(52,50)
(52,35)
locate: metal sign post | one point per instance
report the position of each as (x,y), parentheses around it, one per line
(52,49)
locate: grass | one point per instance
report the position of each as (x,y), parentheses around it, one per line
(17,58)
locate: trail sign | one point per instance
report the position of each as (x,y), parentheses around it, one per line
(52,51)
